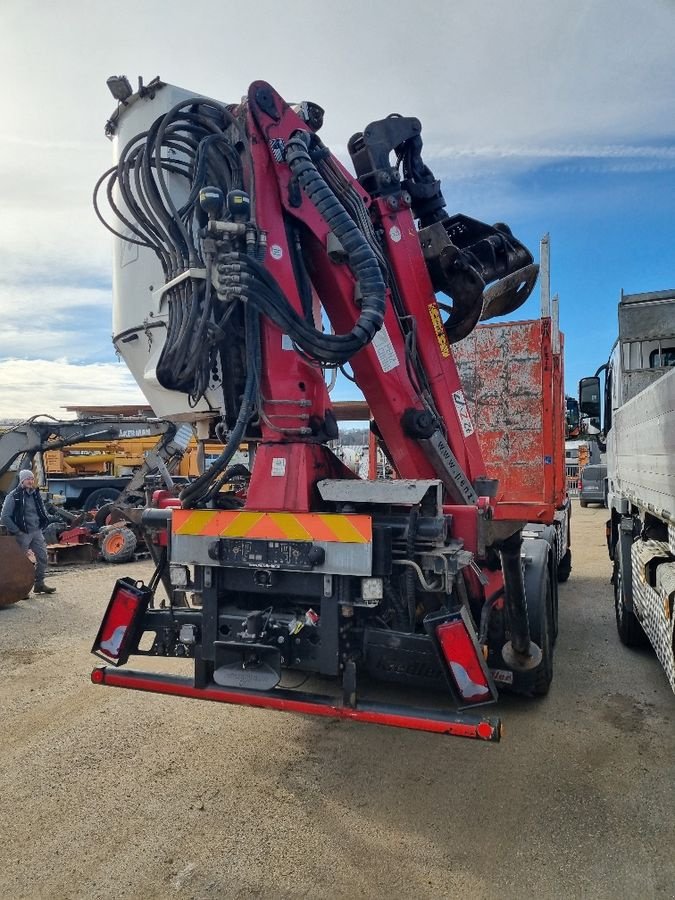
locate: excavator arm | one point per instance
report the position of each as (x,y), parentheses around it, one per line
(41,434)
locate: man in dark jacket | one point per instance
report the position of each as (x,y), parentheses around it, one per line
(24,516)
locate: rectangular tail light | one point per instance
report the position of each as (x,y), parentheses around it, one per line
(121,627)
(455,641)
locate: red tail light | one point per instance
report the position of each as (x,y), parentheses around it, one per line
(121,625)
(466,669)
(461,656)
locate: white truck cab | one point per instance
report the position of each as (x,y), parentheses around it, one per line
(639,429)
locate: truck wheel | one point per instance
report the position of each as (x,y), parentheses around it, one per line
(627,624)
(539,595)
(583,503)
(565,566)
(118,545)
(100,497)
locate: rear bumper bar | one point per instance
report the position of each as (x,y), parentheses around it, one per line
(438,722)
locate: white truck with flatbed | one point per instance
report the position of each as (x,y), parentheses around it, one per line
(639,429)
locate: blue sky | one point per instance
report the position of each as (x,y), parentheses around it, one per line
(555,118)
(612,227)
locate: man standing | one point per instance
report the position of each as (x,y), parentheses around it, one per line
(24,516)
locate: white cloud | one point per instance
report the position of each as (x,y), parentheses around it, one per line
(49,320)
(561,151)
(21,342)
(35,386)
(48,303)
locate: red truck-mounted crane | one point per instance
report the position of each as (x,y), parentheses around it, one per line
(275,264)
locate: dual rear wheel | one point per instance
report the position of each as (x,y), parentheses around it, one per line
(627,624)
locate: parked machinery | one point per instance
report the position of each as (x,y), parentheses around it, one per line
(78,535)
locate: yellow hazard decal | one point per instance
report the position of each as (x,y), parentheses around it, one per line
(437,322)
(273,526)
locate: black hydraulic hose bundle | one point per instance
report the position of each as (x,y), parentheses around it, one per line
(194,144)
(188,142)
(362,260)
(354,205)
(205,487)
(258,287)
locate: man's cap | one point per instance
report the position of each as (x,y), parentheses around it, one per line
(25,473)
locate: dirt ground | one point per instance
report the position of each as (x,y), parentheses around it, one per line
(109,793)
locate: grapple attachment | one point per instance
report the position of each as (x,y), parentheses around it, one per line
(463,255)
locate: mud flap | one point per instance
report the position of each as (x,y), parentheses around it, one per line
(539,596)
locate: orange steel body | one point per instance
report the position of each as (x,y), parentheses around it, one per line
(513,381)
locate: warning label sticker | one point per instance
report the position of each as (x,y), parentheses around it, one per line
(278,466)
(278,148)
(441,337)
(385,351)
(463,413)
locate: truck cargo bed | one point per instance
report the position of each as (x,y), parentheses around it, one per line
(512,378)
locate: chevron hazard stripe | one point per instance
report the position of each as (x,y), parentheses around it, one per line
(349,529)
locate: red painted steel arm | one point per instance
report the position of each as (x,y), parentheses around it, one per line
(382,370)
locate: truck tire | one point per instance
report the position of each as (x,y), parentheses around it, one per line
(583,503)
(565,566)
(539,595)
(627,624)
(100,497)
(118,545)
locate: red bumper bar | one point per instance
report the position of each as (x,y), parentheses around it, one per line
(458,724)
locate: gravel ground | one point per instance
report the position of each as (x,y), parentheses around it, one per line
(114,793)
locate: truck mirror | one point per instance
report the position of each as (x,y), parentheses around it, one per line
(589,397)
(572,417)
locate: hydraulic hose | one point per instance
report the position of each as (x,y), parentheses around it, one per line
(205,486)
(362,260)
(190,142)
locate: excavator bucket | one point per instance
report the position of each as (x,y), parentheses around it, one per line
(17,572)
